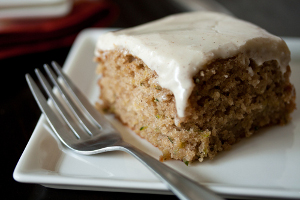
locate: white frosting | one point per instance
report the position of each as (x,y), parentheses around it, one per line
(178,46)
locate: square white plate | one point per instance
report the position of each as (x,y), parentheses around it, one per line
(264,165)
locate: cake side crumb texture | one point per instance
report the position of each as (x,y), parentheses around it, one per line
(230,98)
(178,46)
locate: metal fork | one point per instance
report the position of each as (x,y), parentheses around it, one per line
(94,133)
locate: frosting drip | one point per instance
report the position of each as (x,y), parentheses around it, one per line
(178,46)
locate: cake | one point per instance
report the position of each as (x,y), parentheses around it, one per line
(193,84)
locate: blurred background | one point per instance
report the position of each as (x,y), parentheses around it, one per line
(36,26)
(35,32)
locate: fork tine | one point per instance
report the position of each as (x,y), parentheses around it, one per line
(81,100)
(58,127)
(77,113)
(68,119)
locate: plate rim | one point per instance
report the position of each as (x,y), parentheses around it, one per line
(157,187)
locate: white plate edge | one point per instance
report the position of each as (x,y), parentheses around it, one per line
(239,191)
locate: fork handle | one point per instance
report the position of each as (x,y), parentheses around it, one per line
(181,186)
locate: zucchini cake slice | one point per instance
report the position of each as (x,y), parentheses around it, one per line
(195,83)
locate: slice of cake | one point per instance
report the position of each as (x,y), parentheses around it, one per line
(193,84)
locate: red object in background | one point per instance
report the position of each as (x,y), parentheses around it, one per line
(18,37)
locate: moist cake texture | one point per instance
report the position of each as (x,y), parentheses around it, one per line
(193,84)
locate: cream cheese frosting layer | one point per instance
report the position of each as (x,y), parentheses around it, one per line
(180,45)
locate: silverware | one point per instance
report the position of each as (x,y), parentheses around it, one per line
(94,133)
